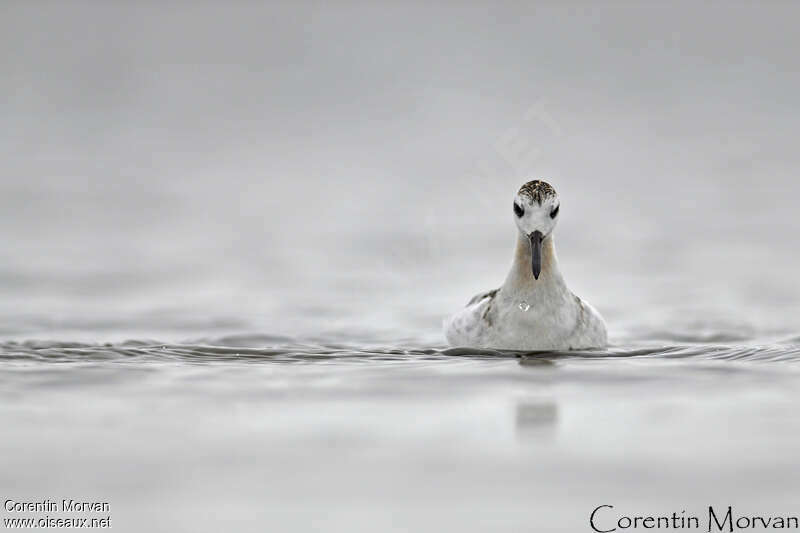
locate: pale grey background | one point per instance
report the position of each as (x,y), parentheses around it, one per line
(236,162)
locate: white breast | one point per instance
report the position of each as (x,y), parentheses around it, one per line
(508,323)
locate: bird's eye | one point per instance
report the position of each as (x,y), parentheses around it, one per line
(518,210)
(554,212)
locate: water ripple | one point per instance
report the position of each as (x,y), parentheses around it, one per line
(274,349)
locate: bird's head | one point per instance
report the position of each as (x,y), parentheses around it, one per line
(536,207)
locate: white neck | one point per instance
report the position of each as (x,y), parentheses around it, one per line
(520,282)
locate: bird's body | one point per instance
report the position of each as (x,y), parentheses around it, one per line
(533,309)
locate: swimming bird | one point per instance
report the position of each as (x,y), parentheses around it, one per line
(533,309)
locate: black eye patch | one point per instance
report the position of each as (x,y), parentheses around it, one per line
(518,210)
(554,212)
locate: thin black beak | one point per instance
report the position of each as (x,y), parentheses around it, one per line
(536,253)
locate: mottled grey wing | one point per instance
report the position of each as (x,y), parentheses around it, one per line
(478,297)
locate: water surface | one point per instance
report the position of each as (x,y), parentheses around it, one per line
(266,432)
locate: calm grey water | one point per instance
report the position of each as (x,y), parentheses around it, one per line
(230,234)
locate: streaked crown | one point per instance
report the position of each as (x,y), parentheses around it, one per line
(537,191)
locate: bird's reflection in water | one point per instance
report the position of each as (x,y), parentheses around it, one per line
(537,360)
(536,419)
